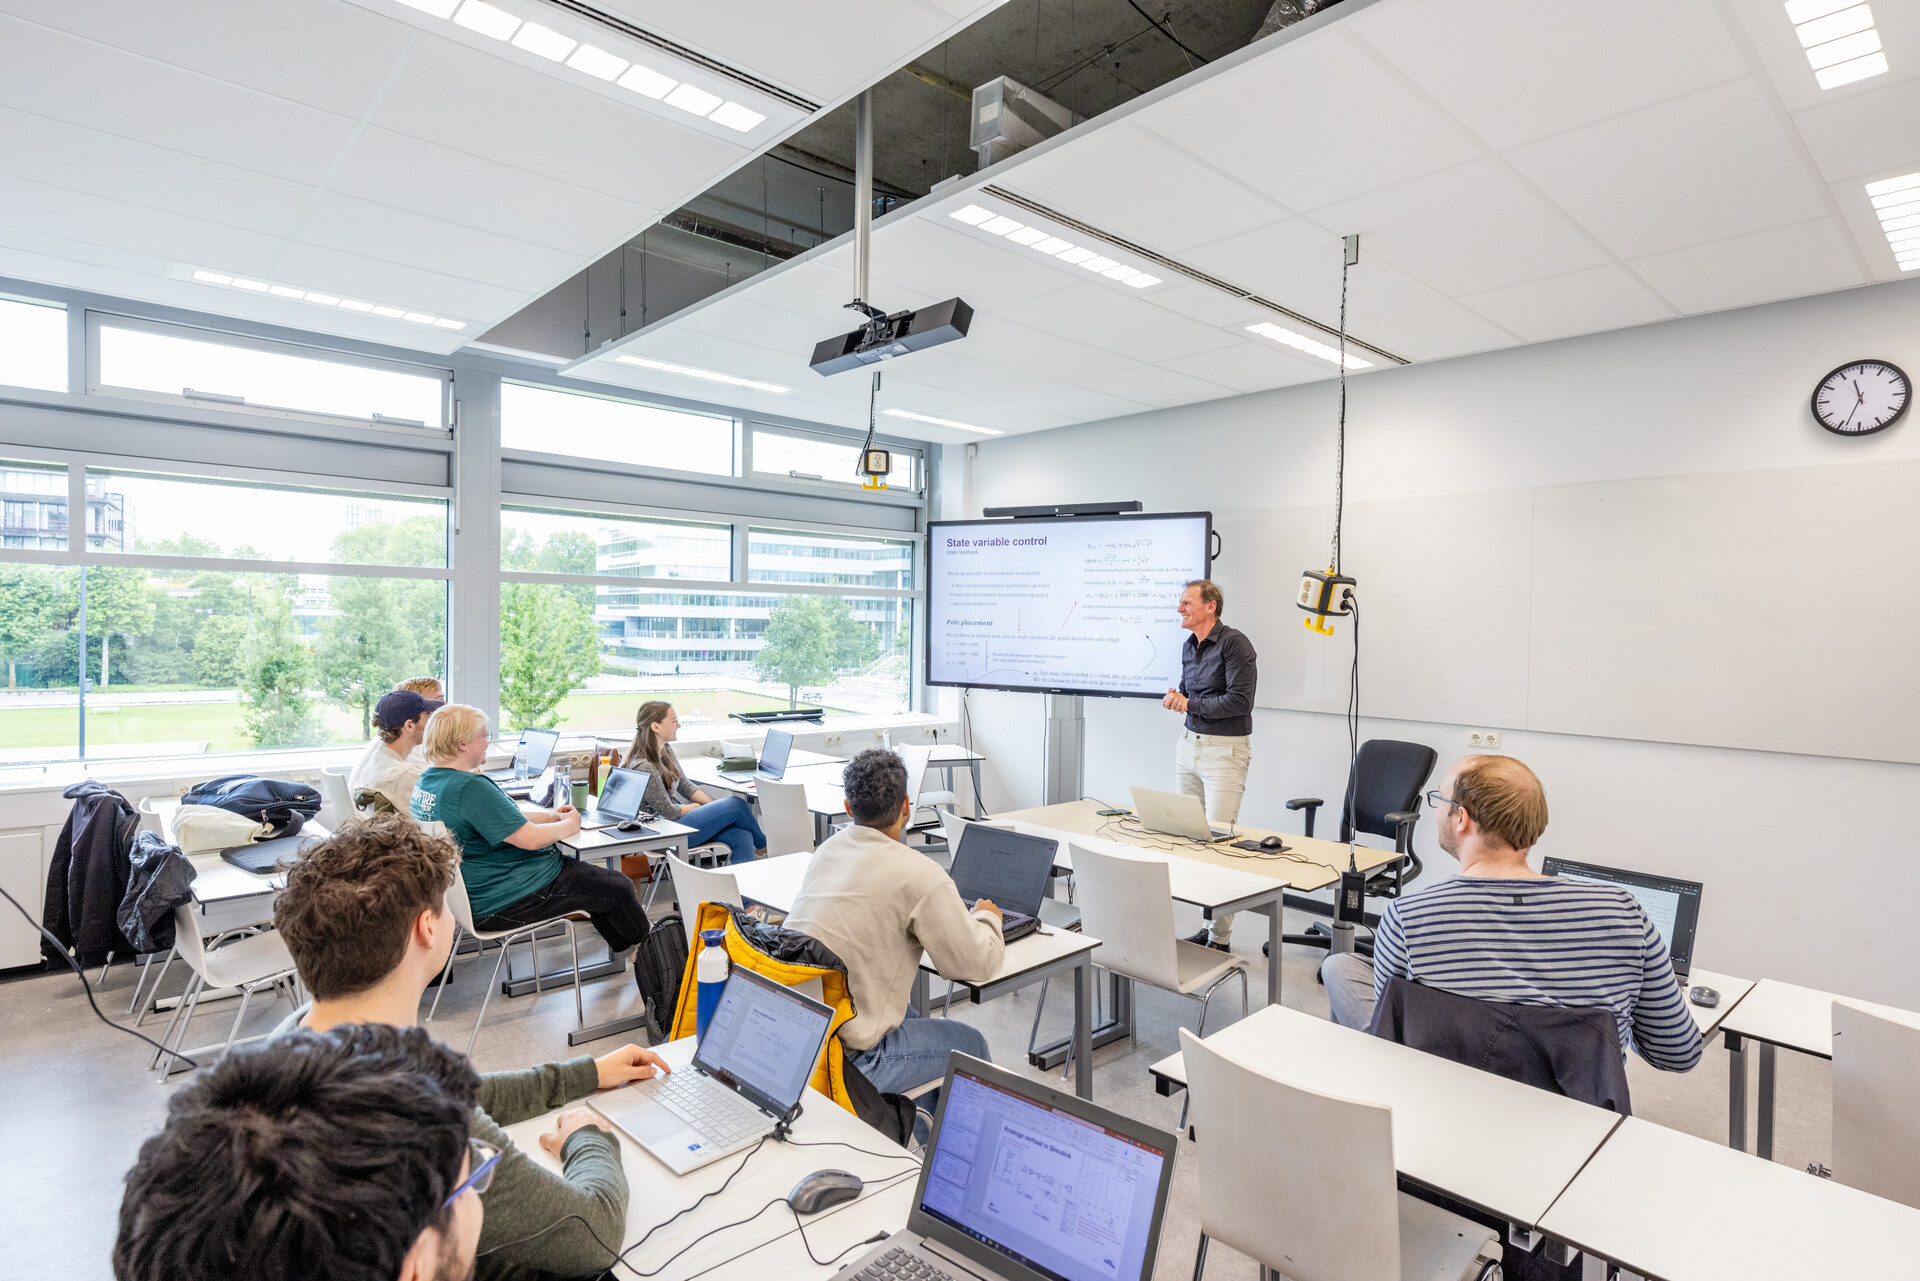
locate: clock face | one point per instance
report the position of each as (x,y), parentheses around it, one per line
(1863,397)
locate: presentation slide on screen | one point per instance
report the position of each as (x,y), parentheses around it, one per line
(1081,605)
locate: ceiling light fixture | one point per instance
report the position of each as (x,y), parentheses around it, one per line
(508,22)
(942,422)
(1896,202)
(1045,242)
(1839,38)
(1300,342)
(688,371)
(293,293)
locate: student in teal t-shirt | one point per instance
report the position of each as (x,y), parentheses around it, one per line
(514,875)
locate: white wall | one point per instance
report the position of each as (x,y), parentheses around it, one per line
(1809,861)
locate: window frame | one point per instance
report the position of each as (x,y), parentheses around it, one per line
(853,440)
(735,443)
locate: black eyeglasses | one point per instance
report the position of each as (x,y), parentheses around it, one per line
(482,1158)
(1436,800)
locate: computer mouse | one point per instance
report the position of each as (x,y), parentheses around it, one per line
(1704,997)
(631,825)
(822,1190)
(1273,843)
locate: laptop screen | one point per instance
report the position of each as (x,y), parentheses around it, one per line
(1008,867)
(622,793)
(1673,906)
(1061,1195)
(774,752)
(764,1039)
(540,745)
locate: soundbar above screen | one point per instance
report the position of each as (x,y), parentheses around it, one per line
(1062,605)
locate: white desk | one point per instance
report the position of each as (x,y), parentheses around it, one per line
(770,1243)
(1497,1144)
(826,799)
(1732,991)
(226,897)
(1044,954)
(1670,1205)
(1779,1014)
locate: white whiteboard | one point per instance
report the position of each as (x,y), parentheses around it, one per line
(1773,610)
(1068,605)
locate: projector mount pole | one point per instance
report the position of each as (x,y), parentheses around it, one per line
(863,215)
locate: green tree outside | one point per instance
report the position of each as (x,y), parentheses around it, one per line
(278,672)
(364,649)
(35,603)
(548,646)
(810,640)
(118,601)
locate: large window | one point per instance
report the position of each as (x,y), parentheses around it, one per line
(202,369)
(620,431)
(185,638)
(33,345)
(801,457)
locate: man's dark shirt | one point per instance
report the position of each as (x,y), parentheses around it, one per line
(1218,675)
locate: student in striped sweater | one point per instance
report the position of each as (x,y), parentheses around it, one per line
(1502,932)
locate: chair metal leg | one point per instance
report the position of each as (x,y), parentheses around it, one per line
(1186,1098)
(166,1034)
(140,983)
(107,965)
(533,942)
(1200,1259)
(154,996)
(189,1002)
(246,999)
(445,974)
(1033,1034)
(487,996)
(579,1011)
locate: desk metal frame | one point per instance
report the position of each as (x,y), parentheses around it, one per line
(1081,964)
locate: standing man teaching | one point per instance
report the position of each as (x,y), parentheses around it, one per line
(1217,676)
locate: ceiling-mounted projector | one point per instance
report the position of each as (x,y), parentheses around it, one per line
(885,336)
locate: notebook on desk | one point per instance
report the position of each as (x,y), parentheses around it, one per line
(1673,905)
(772,766)
(263,858)
(619,802)
(539,750)
(1007,868)
(1176,814)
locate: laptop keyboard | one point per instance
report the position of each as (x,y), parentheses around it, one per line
(711,1108)
(898,1265)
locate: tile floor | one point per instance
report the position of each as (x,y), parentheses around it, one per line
(76,1099)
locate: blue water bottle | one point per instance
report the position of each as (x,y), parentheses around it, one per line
(710,971)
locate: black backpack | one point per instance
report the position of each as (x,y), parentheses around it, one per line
(660,963)
(282,805)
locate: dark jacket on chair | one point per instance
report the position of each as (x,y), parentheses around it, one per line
(1568,1051)
(88,875)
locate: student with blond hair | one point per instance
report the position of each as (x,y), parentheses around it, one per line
(513,873)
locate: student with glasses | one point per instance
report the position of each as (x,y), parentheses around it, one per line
(342,1156)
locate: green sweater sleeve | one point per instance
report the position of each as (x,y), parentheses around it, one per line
(530,1228)
(512,1097)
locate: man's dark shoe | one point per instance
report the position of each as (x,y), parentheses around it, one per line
(1202,939)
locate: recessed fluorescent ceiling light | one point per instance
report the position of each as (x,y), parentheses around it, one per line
(1052,246)
(688,371)
(942,422)
(500,23)
(1300,342)
(1840,40)
(203,276)
(1896,202)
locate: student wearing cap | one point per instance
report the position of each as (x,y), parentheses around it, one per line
(391,766)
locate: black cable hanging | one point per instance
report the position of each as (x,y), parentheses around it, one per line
(1340,447)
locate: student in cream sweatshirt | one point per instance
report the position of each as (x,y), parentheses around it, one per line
(878,904)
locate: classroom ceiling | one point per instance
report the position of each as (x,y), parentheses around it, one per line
(377,155)
(1517,173)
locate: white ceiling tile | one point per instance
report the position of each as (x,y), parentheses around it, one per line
(816,288)
(97,263)
(1297,265)
(1515,70)
(118,224)
(381,281)
(1128,183)
(115,167)
(1252,365)
(1310,123)
(57,75)
(749,320)
(949,369)
(1686,172)
(407,173)
(1776,46)
(1083,404)
(1434,330)
(1130,327)
(1782,262)
(1208,305)
(1039,349)
(1161,387)
(919,254)
(397,235)
(1580,302)
(546,124)
(1867,134)
(725,355)
(1012,418)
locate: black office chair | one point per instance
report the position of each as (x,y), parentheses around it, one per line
(1387,780)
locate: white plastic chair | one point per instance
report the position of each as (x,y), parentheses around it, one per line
(462,909)
(785,818)
(1876,1131)
(693,886)
(915,757)
(249,964)
(1304,1183)
(339,809)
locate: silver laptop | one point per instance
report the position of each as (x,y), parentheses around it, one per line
(749,1073)
(537,752)
(1176,814)
(772,764)
(619,801)
(1024,1182)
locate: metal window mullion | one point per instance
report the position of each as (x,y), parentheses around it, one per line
(706,585)
(77,502)
(172,469)
(219,564)
(77,380)
(742,534)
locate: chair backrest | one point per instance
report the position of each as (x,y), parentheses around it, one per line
(784,817)
(1127,903)
(187,941)
(1876,1132)
(457,901)
(1388,777)
(339,807)
(1300,1181)
(693,886)
(915,756)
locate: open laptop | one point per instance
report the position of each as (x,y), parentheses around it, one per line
(619,802)
(749,1072)
(1007,867)
(1176,814)
(773,759)
(1673,905)
(1023,1182)
(539,750)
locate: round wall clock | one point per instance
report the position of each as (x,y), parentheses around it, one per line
(1860,398)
